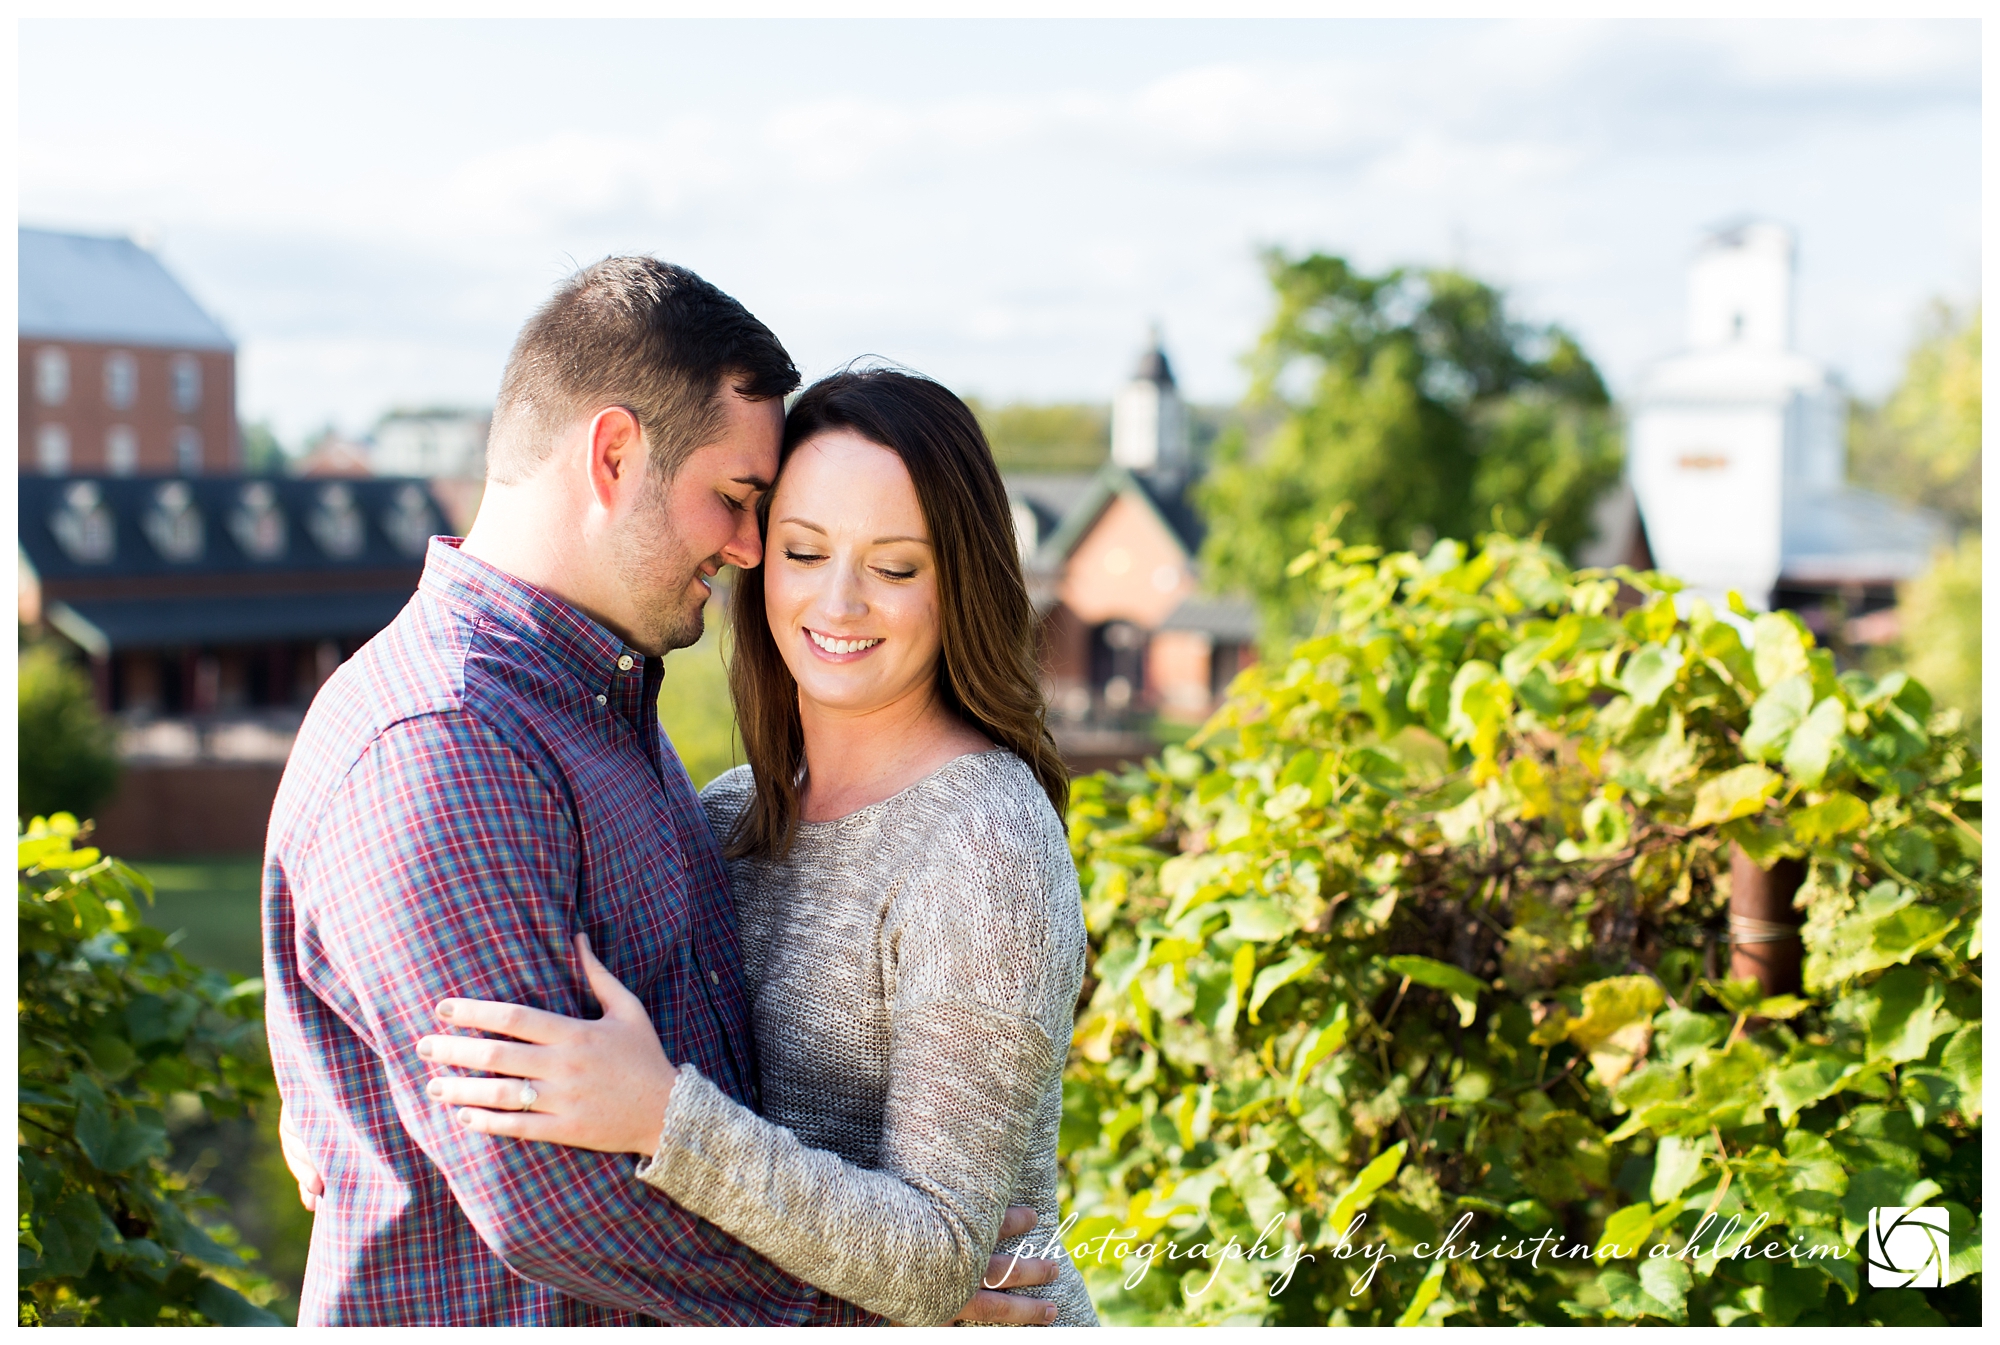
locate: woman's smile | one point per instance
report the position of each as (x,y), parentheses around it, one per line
(835,649)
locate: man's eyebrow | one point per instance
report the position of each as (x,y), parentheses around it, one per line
(754,482)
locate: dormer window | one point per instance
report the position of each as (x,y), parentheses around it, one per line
(121,380)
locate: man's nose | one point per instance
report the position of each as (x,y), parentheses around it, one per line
(745,550)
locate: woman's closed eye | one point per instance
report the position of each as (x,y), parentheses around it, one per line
(804,557)
(895,574)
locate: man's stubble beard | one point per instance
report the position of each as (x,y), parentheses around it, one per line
(655,568)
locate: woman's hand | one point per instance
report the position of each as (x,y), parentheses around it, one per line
(598,1084)
(311,1187)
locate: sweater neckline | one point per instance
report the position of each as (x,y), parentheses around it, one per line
(820,828)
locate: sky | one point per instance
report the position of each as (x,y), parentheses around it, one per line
(373,207)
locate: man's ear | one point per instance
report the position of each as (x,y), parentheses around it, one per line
(617,448)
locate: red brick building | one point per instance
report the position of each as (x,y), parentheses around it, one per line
(122,373)
(1127,635)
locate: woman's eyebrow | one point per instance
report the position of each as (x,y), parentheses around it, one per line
(810,526)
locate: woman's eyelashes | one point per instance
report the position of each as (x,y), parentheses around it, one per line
(799,557)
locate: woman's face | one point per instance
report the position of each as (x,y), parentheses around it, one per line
(850,580)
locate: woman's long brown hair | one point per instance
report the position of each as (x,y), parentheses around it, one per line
(986,664)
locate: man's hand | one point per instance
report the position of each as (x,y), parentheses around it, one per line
(990,1305)
(311,1187)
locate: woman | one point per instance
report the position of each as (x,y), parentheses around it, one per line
(912,929)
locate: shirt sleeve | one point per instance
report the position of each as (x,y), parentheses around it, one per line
(970,1063)
(444,866)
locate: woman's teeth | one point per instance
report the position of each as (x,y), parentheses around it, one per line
(841,646)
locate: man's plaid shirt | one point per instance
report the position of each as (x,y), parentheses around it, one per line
(484,779)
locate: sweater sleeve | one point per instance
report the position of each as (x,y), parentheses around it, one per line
(965,946)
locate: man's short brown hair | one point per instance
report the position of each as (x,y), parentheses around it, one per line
(635,332)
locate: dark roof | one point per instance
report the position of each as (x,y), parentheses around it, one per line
(84,528)
(153,623)
(77,287)
(1082,500)
(1153,367)
(1220,618)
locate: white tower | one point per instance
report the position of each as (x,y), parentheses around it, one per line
(1739,430)
(1149,430)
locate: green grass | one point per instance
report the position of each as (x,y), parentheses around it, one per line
(213,903)
(695,709)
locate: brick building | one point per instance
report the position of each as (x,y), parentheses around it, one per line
(122,373)
(208,605)
(1127,635)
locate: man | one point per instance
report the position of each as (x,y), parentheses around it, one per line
(488,777)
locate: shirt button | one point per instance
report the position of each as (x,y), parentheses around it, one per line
(624,663)
(713,979)
(600,700)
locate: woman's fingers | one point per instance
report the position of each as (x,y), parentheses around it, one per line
(520,1125)
(509,1020)
(311,1186)
(618,1002)
(1017,1220)
(494,1094)
(487,1057)
(998,1309)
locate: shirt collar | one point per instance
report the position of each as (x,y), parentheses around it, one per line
(611,672)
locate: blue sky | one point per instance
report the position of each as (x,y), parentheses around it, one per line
(372,207)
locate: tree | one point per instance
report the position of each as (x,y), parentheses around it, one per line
(1415,400)
(1922,444)
(1939,614)
(68,753)
(1058,437)
(263,454)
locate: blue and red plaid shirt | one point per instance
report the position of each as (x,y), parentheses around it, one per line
(483,780)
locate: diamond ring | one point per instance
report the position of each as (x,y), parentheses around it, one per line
(528,1097)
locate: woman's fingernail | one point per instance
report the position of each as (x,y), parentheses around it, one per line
(446,1008)
(435,1088)
(424,1047)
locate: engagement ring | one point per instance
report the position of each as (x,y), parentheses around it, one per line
(528,1096)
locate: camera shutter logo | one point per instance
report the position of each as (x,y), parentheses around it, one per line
(1907,1248)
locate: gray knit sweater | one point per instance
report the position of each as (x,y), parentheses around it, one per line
(913,970)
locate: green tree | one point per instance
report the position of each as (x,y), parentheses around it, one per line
(263,455)
(1056,437)
(1423,932)
(1940,617)
(68,758)
(1415,399)
(119,1036)
(1922,444)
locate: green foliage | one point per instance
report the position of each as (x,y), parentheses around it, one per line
(1414,399)
(118,1035)
(1923,444)
(1059,437)
(68,753)
(1419,940)
(263,454)
(1941,627)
